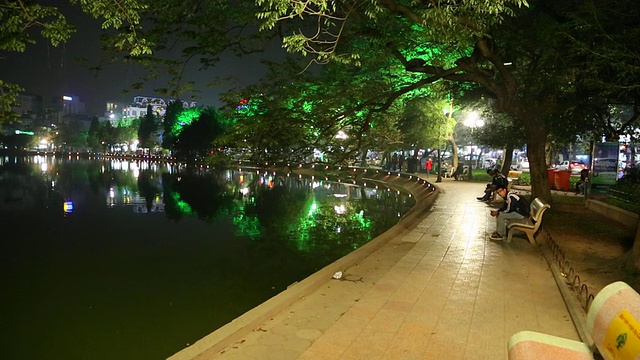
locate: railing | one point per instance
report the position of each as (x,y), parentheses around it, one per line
(623,199)
(579,290)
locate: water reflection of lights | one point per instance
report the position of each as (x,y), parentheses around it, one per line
(136,169)
(44,167)
(314,207)
(112,194)
(244,191)
(67,207)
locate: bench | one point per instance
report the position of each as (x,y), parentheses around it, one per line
(531,224)
(612,326)
(464,175)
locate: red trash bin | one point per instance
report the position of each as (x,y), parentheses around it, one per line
(563,180)
(552,177)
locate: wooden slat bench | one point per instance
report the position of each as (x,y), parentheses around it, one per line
(531,224)
(612,322)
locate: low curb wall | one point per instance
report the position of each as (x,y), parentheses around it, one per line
(625,217)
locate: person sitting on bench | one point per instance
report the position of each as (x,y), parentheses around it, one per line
(515,207)
(497,181)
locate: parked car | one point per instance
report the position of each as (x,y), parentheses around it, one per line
(489,163)
(575,166)
(524,165)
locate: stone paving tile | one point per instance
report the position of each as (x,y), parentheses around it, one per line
(441,291)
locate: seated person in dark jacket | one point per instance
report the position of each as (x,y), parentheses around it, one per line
(459,171)
(584,178)
(515,207)
(498,180)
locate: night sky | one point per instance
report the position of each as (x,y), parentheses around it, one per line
(52,71)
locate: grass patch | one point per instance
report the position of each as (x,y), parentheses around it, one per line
(568,216)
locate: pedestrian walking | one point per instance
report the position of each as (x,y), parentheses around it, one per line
(428,166)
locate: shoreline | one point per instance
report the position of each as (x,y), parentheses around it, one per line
(425,195)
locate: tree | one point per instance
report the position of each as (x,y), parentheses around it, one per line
(73,136)
(425,125)
(174,108)
(147,133)
(605,43)
(198,139)
(603,39)
(21,22)
(93,137)
(500,46)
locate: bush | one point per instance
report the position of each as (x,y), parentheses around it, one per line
(481,175)
(625,195)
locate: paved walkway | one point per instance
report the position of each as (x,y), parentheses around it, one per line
(439,291)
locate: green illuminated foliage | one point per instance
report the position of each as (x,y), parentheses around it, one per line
(182,206)
(8,97)
(508,51)
(185,118)
(21,22)
(202,135)
(246,225)
(17,18)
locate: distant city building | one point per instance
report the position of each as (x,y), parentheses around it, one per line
(64,108)
(30,109)
(116,111)
(71,105)
(29,105)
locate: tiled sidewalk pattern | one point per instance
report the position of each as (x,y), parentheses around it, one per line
(441,291)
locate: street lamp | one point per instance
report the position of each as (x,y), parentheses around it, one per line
(472,121)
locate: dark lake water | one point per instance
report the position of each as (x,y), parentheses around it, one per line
(111,259)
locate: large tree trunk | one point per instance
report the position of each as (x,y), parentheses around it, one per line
(633,261)
(507,160)
(454,152)
(536,140)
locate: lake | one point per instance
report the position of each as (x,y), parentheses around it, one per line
(115,259)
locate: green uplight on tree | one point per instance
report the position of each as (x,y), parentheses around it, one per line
(186,117)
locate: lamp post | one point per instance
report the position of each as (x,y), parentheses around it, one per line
(472,121)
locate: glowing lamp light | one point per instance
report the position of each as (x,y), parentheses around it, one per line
(67,207)
(339,209)
(67,98)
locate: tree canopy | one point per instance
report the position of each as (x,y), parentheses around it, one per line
(555,68)
(516,53)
